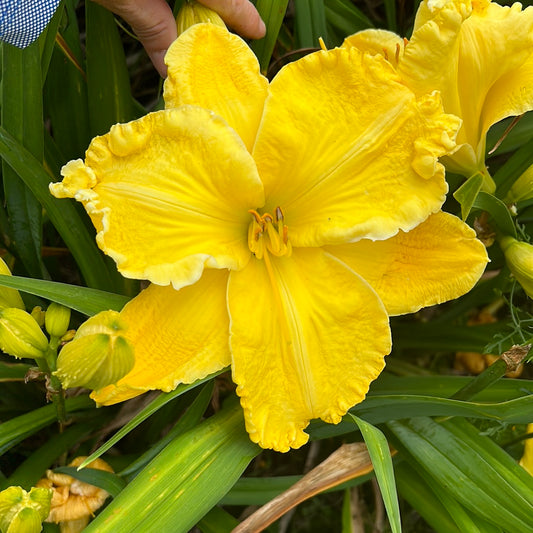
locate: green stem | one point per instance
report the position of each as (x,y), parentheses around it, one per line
(508,361)
(56,390)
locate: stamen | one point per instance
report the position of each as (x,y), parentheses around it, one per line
(275,231)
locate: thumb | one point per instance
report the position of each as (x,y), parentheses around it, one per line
(153,23)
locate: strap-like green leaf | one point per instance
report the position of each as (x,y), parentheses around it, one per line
(82,299)
(378,449)
(99,478)
(22,117)
(17,429)
(498,211)
(272,12)
(189,419)
(148,411)
(34,467)
(185,481)
(466,471)
(61,212)
(108,83)
(310,23)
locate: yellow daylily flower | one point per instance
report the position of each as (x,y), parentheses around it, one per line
(236,202)
(478,54)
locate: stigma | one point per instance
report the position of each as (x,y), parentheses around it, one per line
(268,233)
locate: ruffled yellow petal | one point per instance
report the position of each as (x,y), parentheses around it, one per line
(179,337)
(347,151)
(307,336)
(473,53)
(439,260)
(168,195)
(214,69)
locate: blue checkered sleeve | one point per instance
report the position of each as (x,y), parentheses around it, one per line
(22,21)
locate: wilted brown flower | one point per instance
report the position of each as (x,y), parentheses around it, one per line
(74,501)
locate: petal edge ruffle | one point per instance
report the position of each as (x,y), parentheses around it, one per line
(168,194)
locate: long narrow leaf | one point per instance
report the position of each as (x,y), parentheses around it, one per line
(310,22)
(415,489)
(184,481)
(513,168)
(108,83)
(217,521)
(343,15)
(82,299)
(378,449)
(438,508)
(100,478)
(61,212)
(272,13)
(468,476)
(190,419)
(17,429)
(22,116)
(47,40)
(148,411)
(33,468)
(446,386)
(380,409)
(13,371)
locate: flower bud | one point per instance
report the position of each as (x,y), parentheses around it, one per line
(9,297)
(38,315)
(23,512)
(191,13)
(57,319)
(519,258)
(99,354)
(20,335)
(522,188)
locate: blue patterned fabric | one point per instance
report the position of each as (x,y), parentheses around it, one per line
(22,21)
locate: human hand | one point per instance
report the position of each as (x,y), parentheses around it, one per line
(154,24)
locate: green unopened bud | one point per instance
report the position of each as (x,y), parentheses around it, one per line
(99,354)
(9,297)
(192,13)
(519,258)
(20,335)
(23,512)
(522,188)
(57,319)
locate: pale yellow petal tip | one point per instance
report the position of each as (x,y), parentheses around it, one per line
(274,436)
(113,394)
(77,177)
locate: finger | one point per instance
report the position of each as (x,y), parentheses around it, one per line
(241,15)
(153,23)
